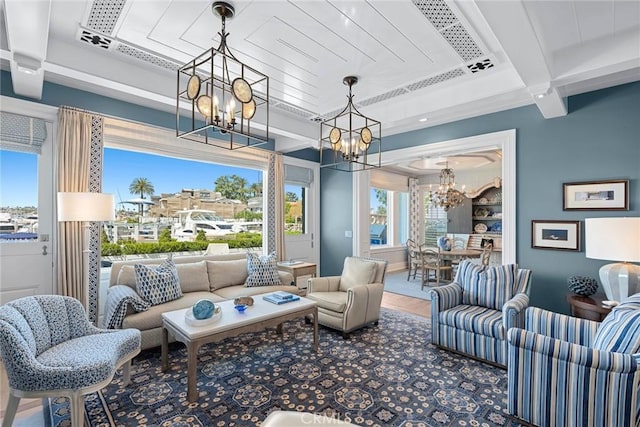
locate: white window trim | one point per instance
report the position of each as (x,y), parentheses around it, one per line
(503,140)
(314,226)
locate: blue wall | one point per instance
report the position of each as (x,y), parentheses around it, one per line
(598,139)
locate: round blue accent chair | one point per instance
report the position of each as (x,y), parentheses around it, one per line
(49,348)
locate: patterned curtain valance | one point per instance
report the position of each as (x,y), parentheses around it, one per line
(21,133)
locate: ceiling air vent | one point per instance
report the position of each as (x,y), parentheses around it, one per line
(293,110)
(449,26)
(461,42)
(436,79)
(95,39)
(104,15)
(481,65)
(383,96)
(437,12)
(146,57)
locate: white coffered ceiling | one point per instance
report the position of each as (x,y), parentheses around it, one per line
(422,59)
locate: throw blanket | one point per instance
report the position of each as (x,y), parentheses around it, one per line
(119,299)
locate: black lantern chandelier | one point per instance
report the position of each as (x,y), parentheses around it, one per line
(447,196)
(353,138)
(225,96)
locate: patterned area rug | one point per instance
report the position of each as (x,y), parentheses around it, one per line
(388,375)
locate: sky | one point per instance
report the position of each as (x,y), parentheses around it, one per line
(18,175)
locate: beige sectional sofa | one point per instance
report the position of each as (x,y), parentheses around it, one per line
(214,277)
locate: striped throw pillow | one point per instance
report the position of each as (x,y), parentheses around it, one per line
(486,286)
(263,270)
(619,332)
(158,284)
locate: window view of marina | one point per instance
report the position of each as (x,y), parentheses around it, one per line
(18,195)
(163,204)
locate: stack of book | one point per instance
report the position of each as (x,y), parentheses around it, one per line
(281,297)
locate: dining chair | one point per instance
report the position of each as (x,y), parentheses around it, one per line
(413,259)
(485,258)
(431,260)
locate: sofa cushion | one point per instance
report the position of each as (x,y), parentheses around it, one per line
(263,270)
(356,271)
(158,284)
(193,276)
(474,318)
(619,332)
(486,286)
(226,273)
(333,301)
(127,276)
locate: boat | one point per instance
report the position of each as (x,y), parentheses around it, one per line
(193,220)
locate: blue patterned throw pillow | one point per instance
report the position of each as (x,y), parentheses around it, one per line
(158,285)
(263,270)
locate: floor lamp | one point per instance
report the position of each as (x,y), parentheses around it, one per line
(85,207)
(615,239)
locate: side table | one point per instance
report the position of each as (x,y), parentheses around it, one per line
(299,269)
(590,308)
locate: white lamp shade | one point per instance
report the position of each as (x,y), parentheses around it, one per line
(614,239)
(81,206)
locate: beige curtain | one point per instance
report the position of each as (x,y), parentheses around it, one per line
(279,198)
(73,159)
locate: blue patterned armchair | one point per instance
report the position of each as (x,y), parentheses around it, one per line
(472,314)
(569,372)
(49,348)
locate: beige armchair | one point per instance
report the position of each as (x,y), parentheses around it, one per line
(351,300)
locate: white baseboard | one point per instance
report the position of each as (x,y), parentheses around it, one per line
(396,266)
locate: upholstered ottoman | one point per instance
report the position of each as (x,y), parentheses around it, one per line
(301,419)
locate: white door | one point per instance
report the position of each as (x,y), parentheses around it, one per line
(27,266)
(301,211)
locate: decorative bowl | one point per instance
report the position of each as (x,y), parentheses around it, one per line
(203,309)
(192,321)
(243,301)
(481,213)
(480,228)
(240,307)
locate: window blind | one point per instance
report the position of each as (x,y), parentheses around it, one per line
(21,133)
(298,175)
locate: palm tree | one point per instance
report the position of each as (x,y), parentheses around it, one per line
(141,186)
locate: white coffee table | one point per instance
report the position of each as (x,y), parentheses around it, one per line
(258,317)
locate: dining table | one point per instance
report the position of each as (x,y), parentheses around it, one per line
(457,254)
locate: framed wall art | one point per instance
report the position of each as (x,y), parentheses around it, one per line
(596,195)
(561,235)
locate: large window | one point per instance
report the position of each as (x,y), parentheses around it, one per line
(161,198)
(18,195)
(435,221)
(389,217)
(388,210)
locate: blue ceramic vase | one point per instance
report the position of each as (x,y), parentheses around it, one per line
(444,243)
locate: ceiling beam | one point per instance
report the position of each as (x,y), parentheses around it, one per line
(27,25)
(512,27)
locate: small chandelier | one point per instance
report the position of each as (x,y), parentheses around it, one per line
(353,138)
(224,95)
(446,196)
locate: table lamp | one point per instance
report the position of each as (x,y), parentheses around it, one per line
(615,239)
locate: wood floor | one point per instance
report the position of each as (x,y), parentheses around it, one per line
(416,306)
(30,410)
